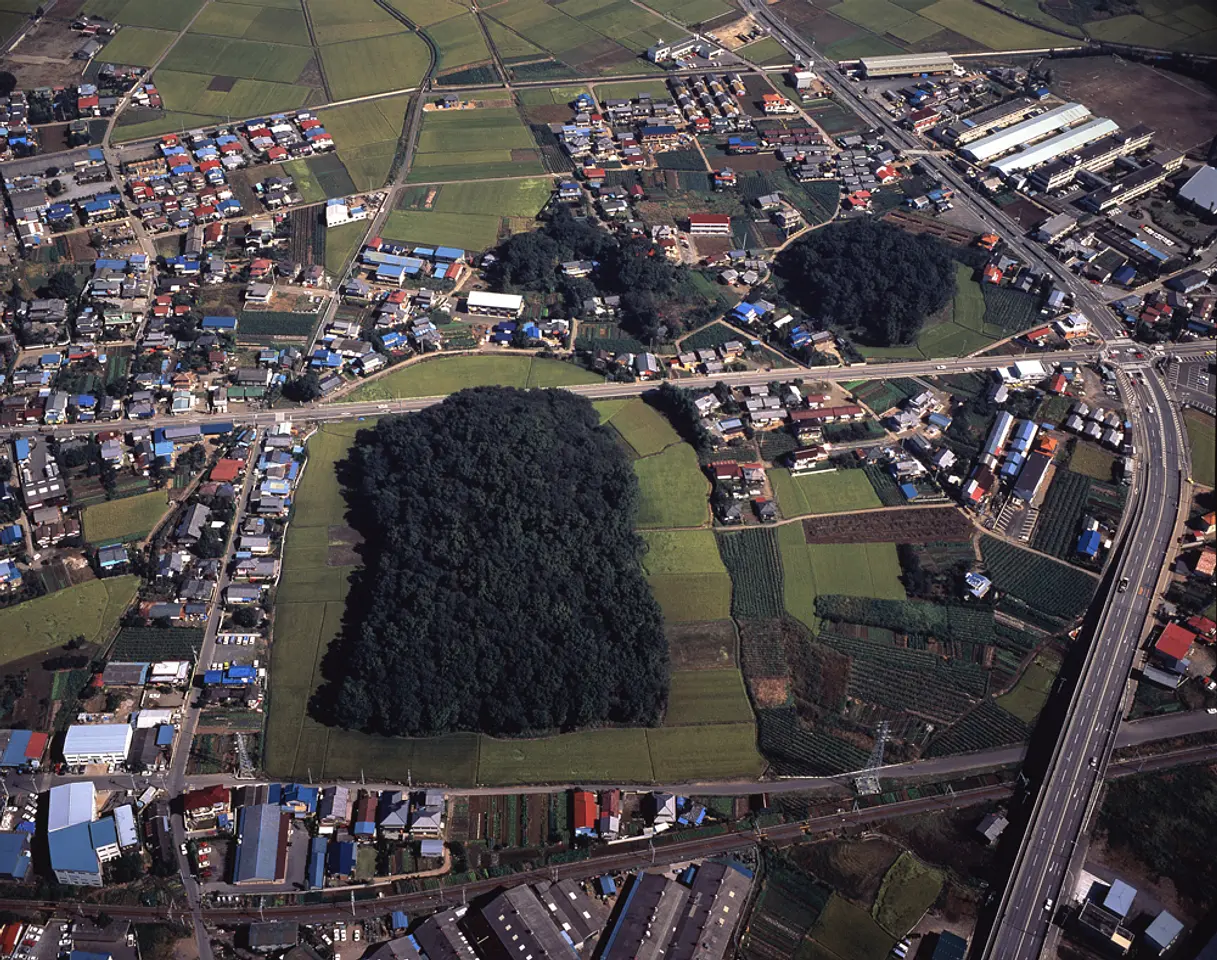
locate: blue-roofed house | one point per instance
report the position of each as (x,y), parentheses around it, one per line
(316,862)
(398,920)
(1089,543)
(14,855)
(449,254)
(219,323)
(342,858)
(1120,897)
(104,837)
(298,798)
(112,558)
(607,886)
(11,535)
(10,576)
(261,844)
(909,491)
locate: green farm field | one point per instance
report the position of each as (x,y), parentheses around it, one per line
(469,231)
(188,93)
(1202,438)
(358,68)
(692,11)
(1092,461)
(856,569)
(252,22)
(90,610)
(548,96)
(958,331)
(1028,696)
(674,490)
(823,493)
(337,21)
(458,218)
(230,57)
(423,13)
(504,146)
(850,933)
(138,45)
(644,428)
(130,518)
(690,597)
(988,27)
(340,245)
(909,889)
(459,42)
(707,696)
(145,13)
(366,136)
(443,375)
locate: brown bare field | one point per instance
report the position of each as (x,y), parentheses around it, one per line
(895,525)
(915,223)
(701,644)
(1121,90)
(770,691)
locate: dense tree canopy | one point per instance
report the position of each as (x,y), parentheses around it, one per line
(872,278)
(503,588)
(658,297)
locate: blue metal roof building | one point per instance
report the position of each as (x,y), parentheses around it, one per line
(15,752)
(261,828)
(1088,543)
(14,855)
(219,323)
(342,858)
(316,862)
(72,856)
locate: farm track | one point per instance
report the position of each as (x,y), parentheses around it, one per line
(312,36)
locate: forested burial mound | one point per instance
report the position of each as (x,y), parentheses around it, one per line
(503,590)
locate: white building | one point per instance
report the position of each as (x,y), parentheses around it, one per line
(1029,131)
(97,743)
(1058,146)
(488,304)
(70,804)
(693,46)
(338,212)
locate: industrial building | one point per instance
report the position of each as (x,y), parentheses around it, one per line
(1028,131)
(1031,477)
(261,844)
(1061,144)
(647,919)
(1136,184)
(1201,190)
(518,921)
(504,305)
(97,743)
(980,124)
(1096,156)
(907,65)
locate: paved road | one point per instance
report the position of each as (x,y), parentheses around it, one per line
(603,391)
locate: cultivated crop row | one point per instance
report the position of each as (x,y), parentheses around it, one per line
(908,525)
(795,750)
(885,485)
(752,559)
(763,649)
(1048,585)
(787,908)
(968,624)
(1010,309)
(986,726)
(150,644)
(1056,531)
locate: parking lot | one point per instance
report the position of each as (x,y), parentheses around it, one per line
(1192,383)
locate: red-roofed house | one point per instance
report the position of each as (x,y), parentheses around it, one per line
(203,806)
(1203,626)
(227,470)
(276,153)
(585,812)
(1057,384)
(1173,643)
(710,224)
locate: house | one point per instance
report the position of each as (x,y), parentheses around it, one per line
(103,743)
(203,808)
(583,821)
(503,305)
(709,224)
(1173,645)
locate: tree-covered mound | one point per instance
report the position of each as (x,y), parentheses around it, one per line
(503,587)
(869,277)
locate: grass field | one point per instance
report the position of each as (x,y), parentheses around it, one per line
(340,245)
(1202,437)
(597,755)
(502,146)
(1092,461)
(690,597)
(645,429)
(909,889)
(90,610)
(252,22)
(443,375)
(681,551)
(765,51)
(1029,695)
(458,215)
(707,696)
(692,11)
(850,933)
(131,518)
(883,16)
(856,569)
(674,490)
(137,45)
(358,68)
(823,493)
(711,751)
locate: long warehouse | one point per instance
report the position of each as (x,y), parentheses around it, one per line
(1046,124)
(1057,146)
(977,125)
(907,64)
